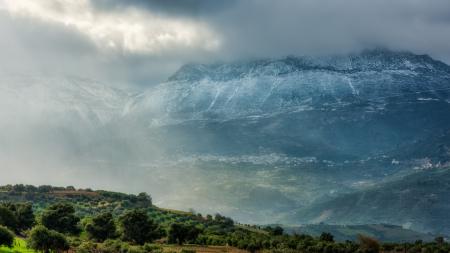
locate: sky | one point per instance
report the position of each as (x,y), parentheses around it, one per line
(49,132)
(140,43)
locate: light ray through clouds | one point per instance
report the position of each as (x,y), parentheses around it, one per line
(136,32)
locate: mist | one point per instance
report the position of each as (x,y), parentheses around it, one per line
(87,99)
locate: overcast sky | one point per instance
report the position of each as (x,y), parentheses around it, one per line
(141,42)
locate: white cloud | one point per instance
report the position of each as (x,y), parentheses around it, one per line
(130,31)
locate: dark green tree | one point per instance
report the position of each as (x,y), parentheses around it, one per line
(7,218)
(43,239)
(6,237)
(180,233)
(275,230)
(101,227)
(138,227)
(24,215)
(61,217)
(439,240)
(326,237)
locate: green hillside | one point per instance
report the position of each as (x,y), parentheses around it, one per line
(382,232)
(83,221)
(419,201)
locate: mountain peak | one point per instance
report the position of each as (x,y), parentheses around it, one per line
(367,60)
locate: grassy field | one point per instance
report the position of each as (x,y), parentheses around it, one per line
(202,249)
(19,246)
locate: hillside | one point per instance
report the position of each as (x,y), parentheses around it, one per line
(419,201)
(89,203)
(382,232)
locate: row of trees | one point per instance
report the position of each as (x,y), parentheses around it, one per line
(56,221)
(58,228)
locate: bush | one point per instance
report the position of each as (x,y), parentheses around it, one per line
(188,251)
(326,237)
(61,217)
(23,216)
(138,227)
(148,247)
(6,237)
(180,233)
(101,227)
(368,245)
(86,247)
(7,218)
(43,239)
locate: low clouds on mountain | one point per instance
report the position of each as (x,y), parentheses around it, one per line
(145,41)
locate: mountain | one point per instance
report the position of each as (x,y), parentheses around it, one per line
(302,128)
(261,140)
(329,108)
(419,201)
(265,87)
(382,232)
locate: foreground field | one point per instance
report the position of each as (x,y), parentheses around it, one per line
(202,249)
(19,246)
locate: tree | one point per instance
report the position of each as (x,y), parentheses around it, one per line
(43,239)
(138,227)
(24,216)
(274,230)
(439,240)
(6,237)
(61,217)
(144,197)
(180,233)
(223,221)
(368,244)
(101,227)
(7,218)
(326,237)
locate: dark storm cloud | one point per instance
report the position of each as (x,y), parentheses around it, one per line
(242,29)
(276,28)
(267,28)
(171,7)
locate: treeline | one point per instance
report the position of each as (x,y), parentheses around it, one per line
(86,202)
(113,222)
(31,192)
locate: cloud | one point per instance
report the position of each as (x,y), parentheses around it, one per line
(142,42)
(258,28)
(132,31)
(188,8)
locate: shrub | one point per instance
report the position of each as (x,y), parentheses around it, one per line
(138,227)
(43,239)
(61,217)
(101,227)
(368,244)
(180,233)
(6,237)
(188,251)
(7,218)
(326,237)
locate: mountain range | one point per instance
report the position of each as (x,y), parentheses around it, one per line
(354,139)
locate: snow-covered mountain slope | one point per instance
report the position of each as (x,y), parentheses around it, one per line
(265,87)
(343,123)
